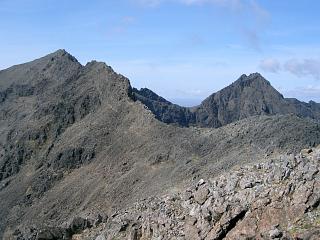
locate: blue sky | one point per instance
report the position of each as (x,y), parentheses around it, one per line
(182,49)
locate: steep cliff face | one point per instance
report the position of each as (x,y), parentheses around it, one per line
(74,142)
(248,96)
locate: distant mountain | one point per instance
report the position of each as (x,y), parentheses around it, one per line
(76,144)
(248,96)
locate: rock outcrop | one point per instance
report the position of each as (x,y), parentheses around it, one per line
(275,199)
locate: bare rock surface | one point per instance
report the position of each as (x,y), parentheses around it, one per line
(283,203)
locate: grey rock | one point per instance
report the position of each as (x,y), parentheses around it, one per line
(101,237)
(79,224)
(201,182)
(247,183)
(201,195)
(275,233)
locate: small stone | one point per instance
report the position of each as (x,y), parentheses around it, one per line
(195,211)
(201,195)
(78,224)
(306,151)
(191,233)
(275,233)
(201,182)
(246,183)
(186,195)
(98,220)
(191,221)
(101,237)
(231,184)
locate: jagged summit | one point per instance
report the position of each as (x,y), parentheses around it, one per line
(250,76)
(248,96)
(62,53)
(251,79)
(254,82)
(57,67)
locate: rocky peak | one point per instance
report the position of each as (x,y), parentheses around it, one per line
(251,86)
(61,54)
(251,76)
(248,96)
(254,80)
(58,66)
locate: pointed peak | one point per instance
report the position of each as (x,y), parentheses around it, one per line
(62,54)
(252,78)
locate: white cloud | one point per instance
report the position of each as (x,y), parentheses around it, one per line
(304,67)
(297,67)
(270,65)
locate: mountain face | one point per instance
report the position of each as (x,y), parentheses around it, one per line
(74,143)
(248,96)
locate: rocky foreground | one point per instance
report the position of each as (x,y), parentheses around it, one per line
(276,199)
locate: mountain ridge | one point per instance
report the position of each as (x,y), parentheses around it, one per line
(248,96)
